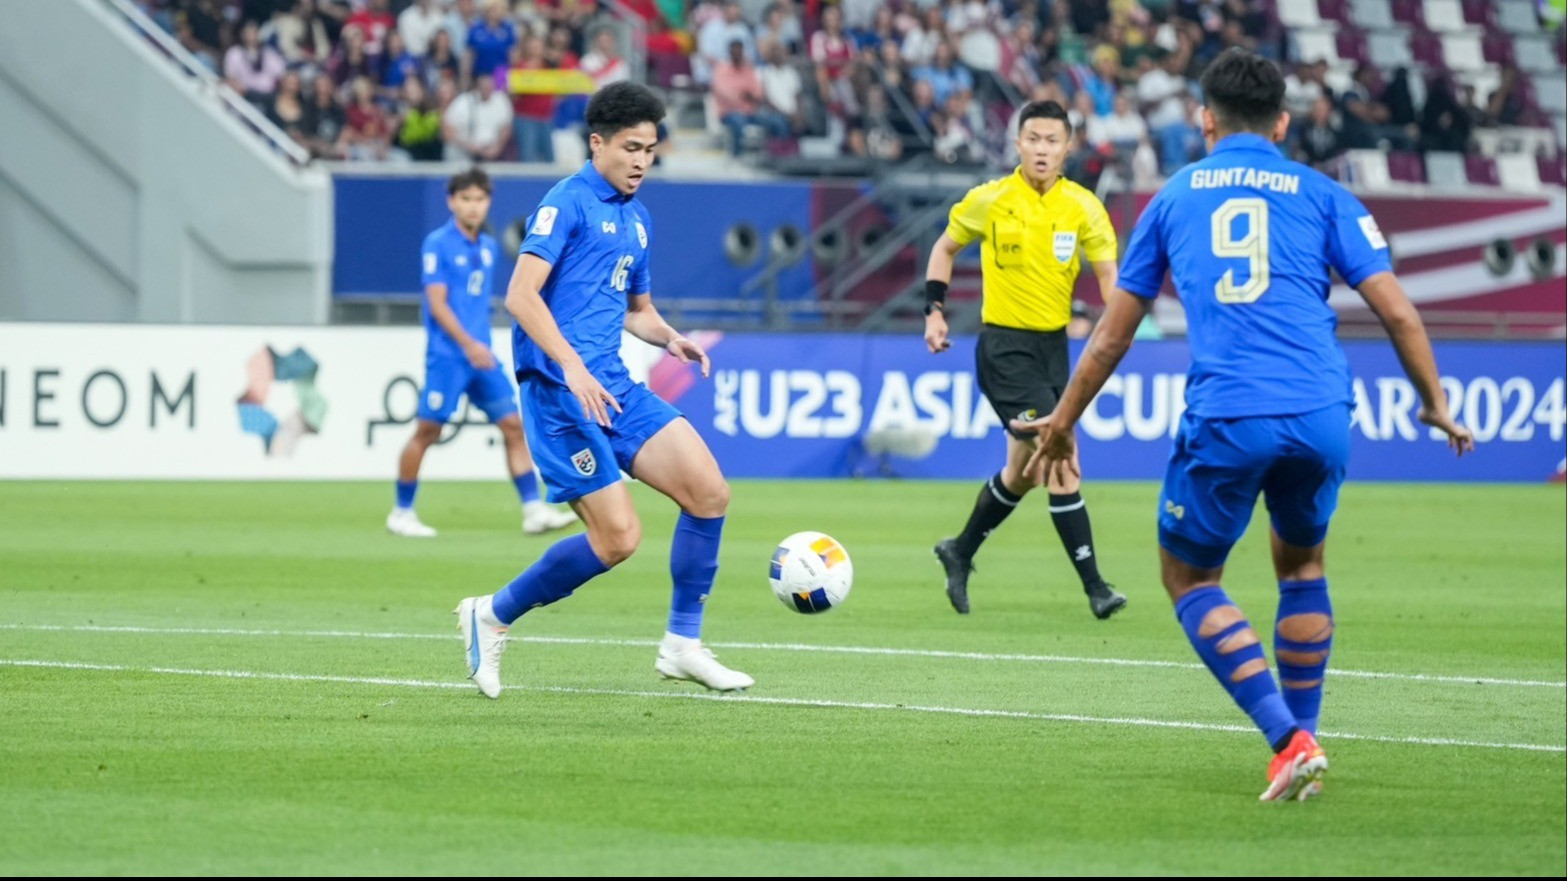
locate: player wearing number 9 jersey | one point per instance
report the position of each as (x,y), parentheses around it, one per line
(1249,237)
(582,279)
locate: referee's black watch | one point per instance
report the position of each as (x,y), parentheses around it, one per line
(936,306)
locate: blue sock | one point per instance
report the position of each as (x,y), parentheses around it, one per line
(1226,644)
(1302,682)
(527,487)
(405,493)
(566,566)
(693,563)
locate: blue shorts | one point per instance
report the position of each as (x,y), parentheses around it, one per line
(1218,467)
(446,379)
(577,456)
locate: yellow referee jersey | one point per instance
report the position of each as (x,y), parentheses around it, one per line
(1029,245)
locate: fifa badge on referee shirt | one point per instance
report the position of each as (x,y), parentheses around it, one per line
(1066,245)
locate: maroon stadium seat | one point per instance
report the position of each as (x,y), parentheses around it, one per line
(1482,170)
(1406,167)
(1553,171)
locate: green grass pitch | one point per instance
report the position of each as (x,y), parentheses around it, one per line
(255,678)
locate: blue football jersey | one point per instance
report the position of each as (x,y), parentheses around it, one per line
(596,240)
(1248,237)
(467,268)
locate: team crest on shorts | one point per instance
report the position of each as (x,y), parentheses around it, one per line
(584,462)
(1066,246)
(434,399)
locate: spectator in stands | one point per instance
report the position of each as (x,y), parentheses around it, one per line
(299,34)
(945,75)
(894,72)
(1303,87)
(288,107)
(919,44)
(351,60)
(368,134)
(924,101)
(1506,106)
(832,54)
(603,61)
(461,16)
(324,119)
(418,134)
(558,53)
(1081,111)
(781,24)
(442,62)
(781,85)
(1123,129)
(477,125)
(874,133)
(489,42)
(375,22)
(398,65)
(1021,59)
(533,113)
(1472,108)
(740,101)
(879,31)
(251,68)
(1104,80)
(419,24)
(1404,97)
(199,26)
(1443,123)
(1366,119)
(1320,137)
(712,45)
(1161,91)
(1088,16)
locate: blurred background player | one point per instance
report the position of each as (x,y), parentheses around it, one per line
(458,266)
(1249,237)
(583,279)
(1032,224)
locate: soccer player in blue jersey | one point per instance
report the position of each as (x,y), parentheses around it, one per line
(457,263)
(581,280)
(1249,237)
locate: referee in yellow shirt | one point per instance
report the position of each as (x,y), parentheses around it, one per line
(1031,226)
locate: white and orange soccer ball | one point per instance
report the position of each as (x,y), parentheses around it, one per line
(811,572)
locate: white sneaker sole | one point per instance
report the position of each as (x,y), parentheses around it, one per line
(1305,781)
(668,672)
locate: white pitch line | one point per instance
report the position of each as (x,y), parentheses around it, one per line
(775,701)
(770,646)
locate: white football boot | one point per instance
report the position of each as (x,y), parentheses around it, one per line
(484,639)
(539,518)
(403,521)
(682,658)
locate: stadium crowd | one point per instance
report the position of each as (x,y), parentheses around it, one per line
(496,80)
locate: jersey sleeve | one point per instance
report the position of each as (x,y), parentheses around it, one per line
(642,277)
(966,222)
(1143,267)
(1356,247)
(1097,238)
(550,227)
(430,265)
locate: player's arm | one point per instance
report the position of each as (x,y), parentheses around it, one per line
(533,315)
(1386,297)
(644,322)
(436,300)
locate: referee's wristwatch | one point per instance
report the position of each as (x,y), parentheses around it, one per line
(936,307)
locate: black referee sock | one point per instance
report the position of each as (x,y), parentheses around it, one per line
(995,502)
(1071,518)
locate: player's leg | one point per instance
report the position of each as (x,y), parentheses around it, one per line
(1302,492)
(1211,485)
(1003,364)
(443,384)
(492,391)
(1069,514)
(577,463)
(662,450)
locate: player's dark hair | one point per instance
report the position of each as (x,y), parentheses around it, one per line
(1044,110)
(1244,90)
(621,106)
(473,177)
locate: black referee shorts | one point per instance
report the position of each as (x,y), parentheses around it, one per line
(1022,373)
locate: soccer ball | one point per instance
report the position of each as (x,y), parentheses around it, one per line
(811,572)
